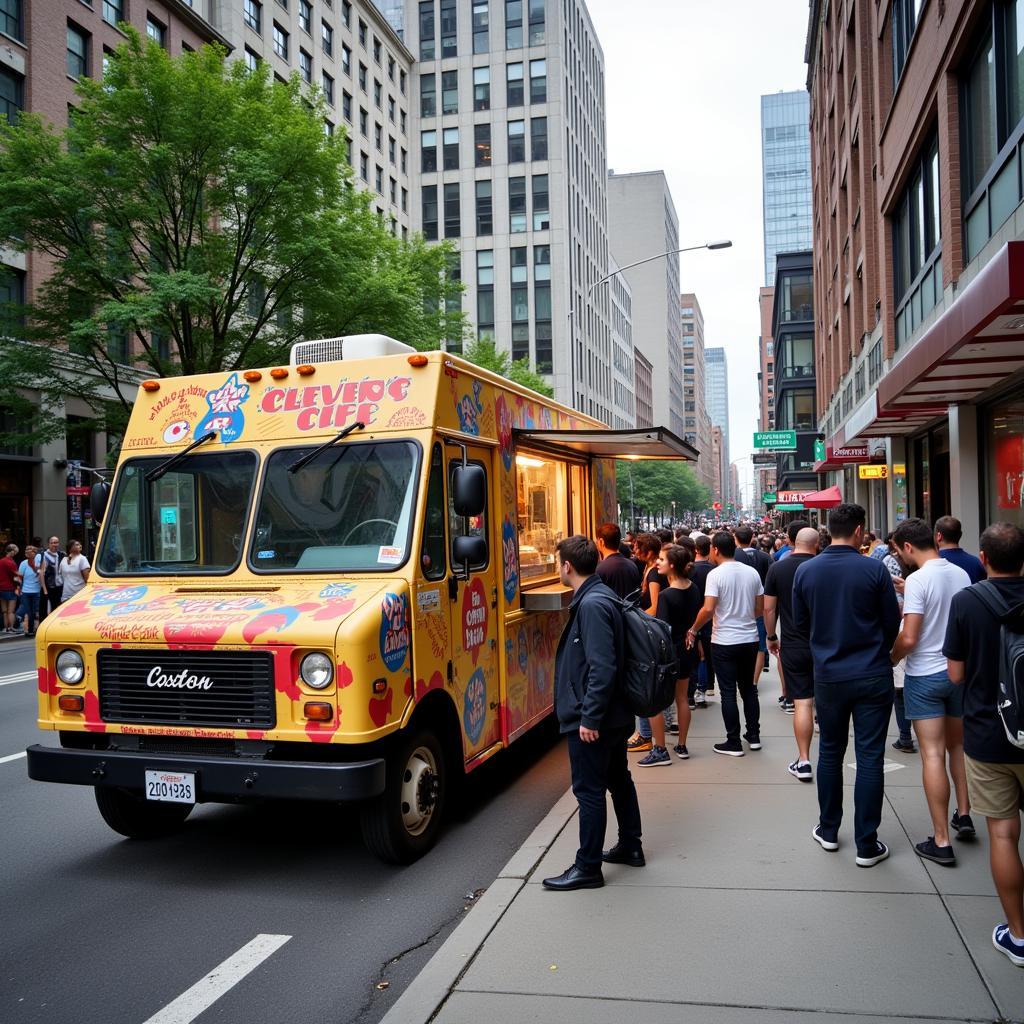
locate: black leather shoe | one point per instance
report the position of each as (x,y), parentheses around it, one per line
(573,878)
(617,855)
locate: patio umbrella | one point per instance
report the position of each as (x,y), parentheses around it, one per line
(828,498)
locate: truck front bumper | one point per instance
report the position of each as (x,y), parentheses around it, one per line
(217,778)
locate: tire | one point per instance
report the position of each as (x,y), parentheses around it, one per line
(130,814)
(404,822)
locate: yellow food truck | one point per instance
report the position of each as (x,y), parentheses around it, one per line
(330,581)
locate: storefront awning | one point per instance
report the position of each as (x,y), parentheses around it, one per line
(646,443)
(976,343)
(871,420)
(828,498)
(839,455)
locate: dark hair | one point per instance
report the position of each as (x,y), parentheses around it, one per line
(794,528)
(1003,545)
(682,533)
(844,520)
(648,544)
(744,534)
(580,552)
(679,559)
(914,532)
(725,543)
(824,538)
(950,529)
(610,536)
(689,544)
(703,545)
(665,536)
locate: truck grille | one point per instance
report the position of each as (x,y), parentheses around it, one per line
(240,694)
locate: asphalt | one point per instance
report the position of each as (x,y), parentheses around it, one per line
(738,918)
(95,928)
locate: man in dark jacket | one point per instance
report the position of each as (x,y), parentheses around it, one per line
(616,570)
(592,712)
(846,605)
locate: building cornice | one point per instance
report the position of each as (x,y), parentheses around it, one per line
(198,23)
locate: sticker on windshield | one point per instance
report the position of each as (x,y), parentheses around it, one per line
(389,556)
(169,514)
(266,553)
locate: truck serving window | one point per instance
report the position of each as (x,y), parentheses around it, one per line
(349,509)
(190,520)
(543,514)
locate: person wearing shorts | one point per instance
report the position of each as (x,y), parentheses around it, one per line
(8,588)
(932,702)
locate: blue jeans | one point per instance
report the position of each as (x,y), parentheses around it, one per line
(933,696)
(28,609)
(869,703)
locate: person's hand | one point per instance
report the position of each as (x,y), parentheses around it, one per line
(899,583)
(589,735)
(773,647)
(691,639)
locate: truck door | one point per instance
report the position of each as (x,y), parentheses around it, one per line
(474,626)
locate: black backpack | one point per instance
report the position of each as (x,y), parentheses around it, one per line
(1010,702)
(650,669)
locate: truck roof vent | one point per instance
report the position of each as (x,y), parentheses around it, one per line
(354,346)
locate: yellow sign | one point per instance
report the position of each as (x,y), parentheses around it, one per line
(872,472)
(899,469)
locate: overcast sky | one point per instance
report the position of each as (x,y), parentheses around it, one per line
(684,80)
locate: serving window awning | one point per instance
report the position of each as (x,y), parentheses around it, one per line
(644,443)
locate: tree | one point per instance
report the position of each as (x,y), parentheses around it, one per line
(484,353)
(198,219)
(657,484)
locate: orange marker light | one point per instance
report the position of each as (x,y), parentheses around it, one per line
(151,385)
(305,370)
(71,702)
(418,360)
(316,711)
(279,373)
(252,376)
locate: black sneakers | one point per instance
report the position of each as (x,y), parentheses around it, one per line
(906,748)
(753,740)
(873,857)
(732,748)
(681,752)
(831,845)
(802,770)
(963,826)
(930,850)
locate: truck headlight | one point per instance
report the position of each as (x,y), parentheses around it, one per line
(317,670)
(70,667)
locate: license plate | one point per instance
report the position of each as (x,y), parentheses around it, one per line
(171,787)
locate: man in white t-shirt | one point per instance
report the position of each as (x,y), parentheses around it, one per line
(734,600)
(933,703)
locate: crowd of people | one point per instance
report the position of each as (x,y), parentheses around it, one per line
(32,586)
(863,628)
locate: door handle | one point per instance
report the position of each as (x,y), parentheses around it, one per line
(453,588)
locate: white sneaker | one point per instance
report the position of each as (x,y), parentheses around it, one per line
(803,772)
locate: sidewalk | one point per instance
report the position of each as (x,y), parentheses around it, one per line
(738,918)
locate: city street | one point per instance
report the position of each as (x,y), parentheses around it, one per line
(99,928)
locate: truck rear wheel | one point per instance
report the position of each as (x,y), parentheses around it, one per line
(131,815)
(403,823)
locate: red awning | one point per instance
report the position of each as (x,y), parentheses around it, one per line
(828,498)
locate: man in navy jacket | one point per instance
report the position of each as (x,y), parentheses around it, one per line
(592,711)
(847,604)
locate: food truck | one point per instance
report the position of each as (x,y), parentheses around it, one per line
(329,581)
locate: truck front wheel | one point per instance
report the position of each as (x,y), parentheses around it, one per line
(403,823)
(131,815)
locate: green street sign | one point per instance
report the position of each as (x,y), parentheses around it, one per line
(777,440)
(789,508)
(819,450)
(769,497)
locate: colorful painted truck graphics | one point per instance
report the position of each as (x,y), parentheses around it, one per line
(266,620)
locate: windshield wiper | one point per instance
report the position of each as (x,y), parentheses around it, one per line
(155,474)
(310,456)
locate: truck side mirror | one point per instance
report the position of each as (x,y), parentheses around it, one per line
(469,490)
(99,495)
(469,551)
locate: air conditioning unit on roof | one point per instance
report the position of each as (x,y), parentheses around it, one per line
(353,346)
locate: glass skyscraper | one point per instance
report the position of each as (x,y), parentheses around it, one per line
(786,171)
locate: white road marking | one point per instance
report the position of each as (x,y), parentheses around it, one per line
(11,757)
(18,677)
(888,766)
(205,992)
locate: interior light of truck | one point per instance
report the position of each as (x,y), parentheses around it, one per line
(305,370)
(525,460)
(318,711)
(252,376)
(70,667)
(317,670)
(418,360)
(71,702)
(279,373)
(151,385)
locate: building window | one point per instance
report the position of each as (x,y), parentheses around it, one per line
(392,150)
(481,88)
(404,160)
(280,42)
(378,94)
(536,9)
(538,81)
(252,60)
(306,67)
(449,92)
(449,29)
(364,122)
(513,24)
(328,84)
(796,409)
(117,344)
(391,109)
(378,179)
(364,167)
(481,20)
(485,294)
(484,208)
(516,142)
(378,138)
(10,94)
(428,31)
(516,205)
(917,232)
(450,141)
(346,59)
(327,40)
(12,296)
(252,14)
(156,31)
(539,138)
(363,77)
(376,50)
(305,16)
(346,106)
(514,85)
(401,82)
(542,324)
(77,52)
(541,213)
(346,12)
(391,68)
(452,211)
(905,16)
(797,297)
(482,145)
(429,202)
(542,262)
(10,17)
(405,200)
(875,363)
(428,95)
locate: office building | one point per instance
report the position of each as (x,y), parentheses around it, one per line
(643,384)
(719,471)
(623,369)
(716,393)
(786,176)
(697,423)
(642,222)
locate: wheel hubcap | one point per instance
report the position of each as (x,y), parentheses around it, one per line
(420,787)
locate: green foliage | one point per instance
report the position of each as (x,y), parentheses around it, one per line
(200,210)
(656,484)
(486,354)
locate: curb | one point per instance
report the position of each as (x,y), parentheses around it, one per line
(419,1003)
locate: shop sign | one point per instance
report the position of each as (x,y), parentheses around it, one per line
(873,472)
(777,440)
(899,469)
(769,497)
(795,507)
(849,454)
(763,458)
(819,450)
(792,497)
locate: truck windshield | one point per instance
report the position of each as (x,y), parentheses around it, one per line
(190,520)
(350,508)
